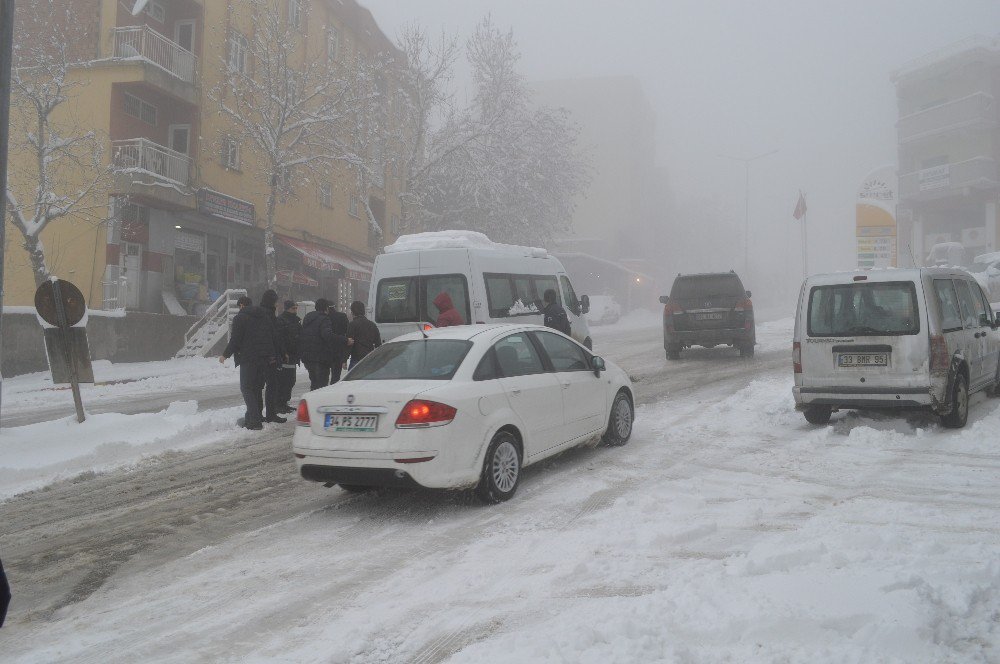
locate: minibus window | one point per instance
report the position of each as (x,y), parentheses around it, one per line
(411,299)
(396,300)
(951,318)
(863,309)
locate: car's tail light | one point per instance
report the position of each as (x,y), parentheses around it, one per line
(302,414)
(940,361)
(669,309)
(746,307)
(797,357)
(419,413)
(427,327)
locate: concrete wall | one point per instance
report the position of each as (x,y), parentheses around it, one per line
(137,337)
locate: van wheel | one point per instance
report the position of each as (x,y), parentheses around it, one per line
(501,469)
(620,421)
(746,351)
(959,414)
(817,414)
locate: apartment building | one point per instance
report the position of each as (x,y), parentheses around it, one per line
(185,212)
(949,148)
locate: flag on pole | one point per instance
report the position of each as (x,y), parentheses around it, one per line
(800,207)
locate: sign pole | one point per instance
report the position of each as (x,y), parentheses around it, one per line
(6,64)
(74,378)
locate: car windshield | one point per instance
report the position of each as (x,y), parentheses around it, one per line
(863,309)
(423,359)
(707,285)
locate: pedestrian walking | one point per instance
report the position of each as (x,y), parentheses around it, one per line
(316,344)
(340,325)
(554,315)
(272,377)
(362,334)
(252,345)
(448,315)
(289,329)
(4,594)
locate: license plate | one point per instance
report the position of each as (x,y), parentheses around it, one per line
(718,316)
(352,423)
(863,360)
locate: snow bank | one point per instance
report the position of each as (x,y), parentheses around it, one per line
(39,454)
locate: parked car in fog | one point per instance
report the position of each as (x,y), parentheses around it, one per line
(604,310)
(917,338)
(986,269)
(709,310)
(461,407)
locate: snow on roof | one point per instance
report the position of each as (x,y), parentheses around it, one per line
(457,240)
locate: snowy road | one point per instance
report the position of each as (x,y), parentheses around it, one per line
(727,530)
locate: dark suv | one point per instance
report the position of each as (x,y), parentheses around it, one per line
(708,310)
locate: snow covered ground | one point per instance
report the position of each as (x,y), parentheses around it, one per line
(727,530)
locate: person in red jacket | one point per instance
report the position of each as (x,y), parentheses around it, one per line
(448,315)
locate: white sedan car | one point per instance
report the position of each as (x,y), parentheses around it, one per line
(461,407)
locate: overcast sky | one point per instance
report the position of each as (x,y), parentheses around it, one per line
(809,78)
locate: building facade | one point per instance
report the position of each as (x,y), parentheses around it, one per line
(949,147)
(184,215)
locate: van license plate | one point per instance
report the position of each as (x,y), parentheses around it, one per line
(863,360)
(708,316)
(352,423)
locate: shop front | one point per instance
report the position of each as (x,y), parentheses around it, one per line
(307,271)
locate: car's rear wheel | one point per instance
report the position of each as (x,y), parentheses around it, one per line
(959,413)
(501,469)
(746,351)
(817,414)
(620,421)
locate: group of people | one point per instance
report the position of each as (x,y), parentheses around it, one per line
(268,349)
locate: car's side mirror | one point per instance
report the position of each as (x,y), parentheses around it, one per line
(664,299)
(598,365)
(749,294)
(585,304)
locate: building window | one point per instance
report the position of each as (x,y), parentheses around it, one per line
(138,108)
(231,153)
(354,206)
(285,178)
(154,9)
(332,43)
(239,47)
(395,225)
(295,13)
(326,194)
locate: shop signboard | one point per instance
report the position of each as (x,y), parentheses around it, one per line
(225,207)
(875,219)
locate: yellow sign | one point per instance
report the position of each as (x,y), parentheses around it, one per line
(875,219)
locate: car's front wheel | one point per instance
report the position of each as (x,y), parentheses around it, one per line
(620,421)
(501,469)
(959,413)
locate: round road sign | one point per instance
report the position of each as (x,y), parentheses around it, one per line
(72,300)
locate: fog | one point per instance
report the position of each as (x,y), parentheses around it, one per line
(808,78)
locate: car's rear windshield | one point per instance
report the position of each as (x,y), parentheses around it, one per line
(864,310)
(707,285)
(423,359)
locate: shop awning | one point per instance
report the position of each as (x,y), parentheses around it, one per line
(330,260)
(292,277)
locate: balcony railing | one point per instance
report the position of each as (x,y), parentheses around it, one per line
(974,110)
(940,181)
(142,156)
(143,43)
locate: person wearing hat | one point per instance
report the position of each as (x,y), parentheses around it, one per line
(289,330)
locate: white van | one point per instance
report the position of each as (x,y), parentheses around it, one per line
(487,282)
(915,338)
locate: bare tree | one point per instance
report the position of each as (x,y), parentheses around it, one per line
(502,165)
(58,168)
(289,109)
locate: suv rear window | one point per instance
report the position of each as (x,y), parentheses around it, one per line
(863,310)
(707,285)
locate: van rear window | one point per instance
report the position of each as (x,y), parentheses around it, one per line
(864,309)
(411,299)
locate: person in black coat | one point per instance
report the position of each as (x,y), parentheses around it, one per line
(4,595)
(554,315)
(340,325)
(316,344)
(253,343)
(289,329)
(363,335)
(272,377)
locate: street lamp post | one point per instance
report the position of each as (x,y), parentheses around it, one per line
(746,209)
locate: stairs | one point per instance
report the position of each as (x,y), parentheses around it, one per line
(202,337)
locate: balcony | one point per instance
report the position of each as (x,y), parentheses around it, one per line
(949,179)
(145,168)
(976,111)
(143,43)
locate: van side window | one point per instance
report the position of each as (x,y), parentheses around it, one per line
(569,296)
(951,317)
(516,294)
(972,305)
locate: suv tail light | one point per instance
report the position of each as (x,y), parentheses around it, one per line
(419,413)
(940,361)
(302,414)
(669,309)
(746,306)
(797,357)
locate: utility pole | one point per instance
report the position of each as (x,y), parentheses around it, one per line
(6,64)
(746,208)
